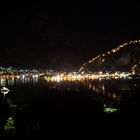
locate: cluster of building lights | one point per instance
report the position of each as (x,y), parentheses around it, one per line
(64,77)
(8,73)
(79,77)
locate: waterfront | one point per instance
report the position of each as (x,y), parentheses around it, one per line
(63,109)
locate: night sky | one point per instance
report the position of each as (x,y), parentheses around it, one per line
(37,37)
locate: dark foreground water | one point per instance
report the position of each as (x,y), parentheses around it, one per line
(69,110)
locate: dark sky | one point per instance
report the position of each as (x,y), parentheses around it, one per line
(39,37)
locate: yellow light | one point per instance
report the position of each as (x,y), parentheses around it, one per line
(103,60)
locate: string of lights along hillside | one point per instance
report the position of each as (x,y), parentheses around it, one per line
(125,57)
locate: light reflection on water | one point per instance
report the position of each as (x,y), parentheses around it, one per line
(112,91)
(15,81)
(108,88)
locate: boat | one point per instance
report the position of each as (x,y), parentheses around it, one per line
(4,90)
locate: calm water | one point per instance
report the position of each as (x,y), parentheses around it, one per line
(77,109)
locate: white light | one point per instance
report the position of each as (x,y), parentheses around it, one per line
(23,76)
(100,72)
(58,78)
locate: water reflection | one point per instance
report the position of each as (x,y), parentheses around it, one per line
(112,92)
(2,82)
(31,101)
(109,88)
(14,81)
(112,89)
(10,82)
